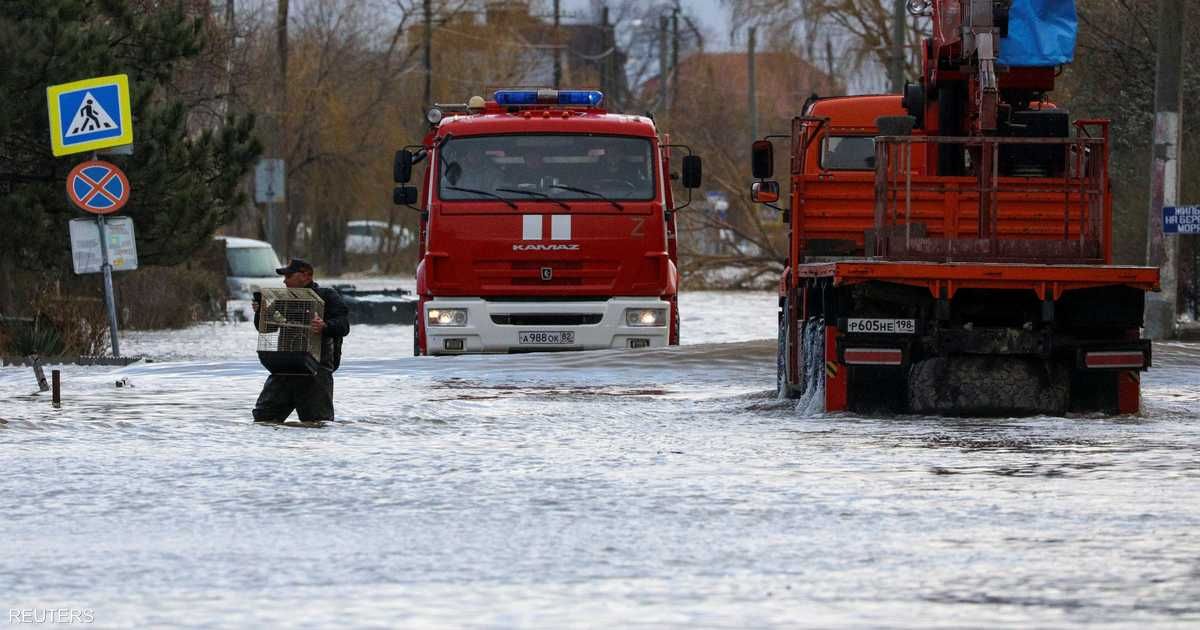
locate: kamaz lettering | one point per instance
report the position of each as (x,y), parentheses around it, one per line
(539,247)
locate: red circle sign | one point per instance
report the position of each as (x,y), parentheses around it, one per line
(98,187)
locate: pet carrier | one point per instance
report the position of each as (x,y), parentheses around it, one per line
(286,342)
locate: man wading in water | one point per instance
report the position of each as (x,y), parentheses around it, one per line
(310,396)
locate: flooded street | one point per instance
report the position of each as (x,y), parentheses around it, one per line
(661,488)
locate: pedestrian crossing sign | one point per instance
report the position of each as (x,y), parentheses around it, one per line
(90,114)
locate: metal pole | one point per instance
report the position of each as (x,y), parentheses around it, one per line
(752,96)
(110,300)
(605,65)
(674,55)
(274,218)
(272,230)
(664,67)
(899,15)
(427,61)
(1161,311)
(56,393)
(557,46)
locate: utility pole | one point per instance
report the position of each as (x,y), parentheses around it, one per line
(829,58)
(557,46)
(675,54)
(428,50)
(275,224)
(231,33)
(753,94)
(605,66)
(664,68)
(614,82)
(899,16)
(1161,310)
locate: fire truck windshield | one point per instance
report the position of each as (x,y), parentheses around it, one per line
(556,167)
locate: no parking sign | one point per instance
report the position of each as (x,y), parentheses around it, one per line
(98,187)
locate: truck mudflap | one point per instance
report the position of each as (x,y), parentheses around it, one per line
(980,385)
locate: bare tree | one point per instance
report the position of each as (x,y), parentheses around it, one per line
(855,38)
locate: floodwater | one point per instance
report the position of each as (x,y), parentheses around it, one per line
(649,489)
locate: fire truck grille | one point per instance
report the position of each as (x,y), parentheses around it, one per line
(597,275)
(548,319)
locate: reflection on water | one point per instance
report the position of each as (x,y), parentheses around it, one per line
(657,488)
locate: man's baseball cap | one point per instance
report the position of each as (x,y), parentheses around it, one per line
(294,265)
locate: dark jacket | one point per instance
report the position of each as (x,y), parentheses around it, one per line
(337,325)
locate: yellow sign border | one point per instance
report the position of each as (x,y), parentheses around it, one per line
(126,114)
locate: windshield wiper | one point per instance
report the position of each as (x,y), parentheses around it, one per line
(533,193)
(590,193)
(482,192)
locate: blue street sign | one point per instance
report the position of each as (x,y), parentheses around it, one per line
(89,115)
(1181,219)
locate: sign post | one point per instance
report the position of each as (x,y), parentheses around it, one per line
(90,115)
(270,187)
(109,299)
(101,188)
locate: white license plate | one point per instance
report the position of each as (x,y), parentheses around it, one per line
(554,338)
(882,326)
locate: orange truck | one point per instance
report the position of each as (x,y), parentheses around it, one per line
(951,247)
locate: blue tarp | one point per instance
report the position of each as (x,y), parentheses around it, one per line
(1040,33)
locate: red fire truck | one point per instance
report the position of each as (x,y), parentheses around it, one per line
(951,247)
(547,223)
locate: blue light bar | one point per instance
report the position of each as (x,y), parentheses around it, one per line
(589,98)
(515,97)
(585,98)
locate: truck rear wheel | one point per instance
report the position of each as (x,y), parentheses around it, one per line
(988,385)
(783,389)
(812,358)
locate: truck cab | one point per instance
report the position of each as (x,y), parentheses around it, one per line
(547,223)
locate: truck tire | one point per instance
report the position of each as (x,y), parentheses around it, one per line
(964,385)
(783,390)
(812,356)
(675,325)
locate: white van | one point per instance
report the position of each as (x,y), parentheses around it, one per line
(249,264)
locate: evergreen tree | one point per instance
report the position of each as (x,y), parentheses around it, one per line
(186,182)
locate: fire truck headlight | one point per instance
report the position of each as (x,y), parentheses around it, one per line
(645,317)
(447,317)
(434,116)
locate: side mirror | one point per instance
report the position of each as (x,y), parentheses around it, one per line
(762,159)
(402,166)
(692,171)
(404,195)
(764,191)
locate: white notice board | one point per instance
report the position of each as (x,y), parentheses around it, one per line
(270,181)
(85,245)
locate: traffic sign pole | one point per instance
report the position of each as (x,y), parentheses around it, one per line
(110,300)
(86,116)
